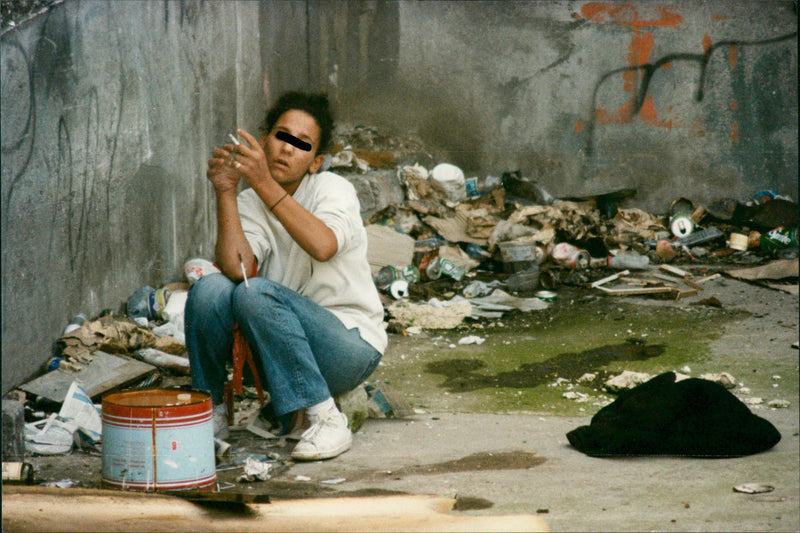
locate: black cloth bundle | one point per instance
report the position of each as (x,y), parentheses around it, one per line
(693,417)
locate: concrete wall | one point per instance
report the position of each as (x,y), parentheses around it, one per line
(110,109)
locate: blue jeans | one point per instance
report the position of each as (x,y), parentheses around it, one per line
(303,352)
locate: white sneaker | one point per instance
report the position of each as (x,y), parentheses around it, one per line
(326,438)
(219,416)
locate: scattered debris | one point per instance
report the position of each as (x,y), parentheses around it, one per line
(255,470)
(723,378)
(753,488)
(627,380)
(778,404)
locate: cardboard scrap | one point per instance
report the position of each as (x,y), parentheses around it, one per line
(454,229)
(780,269)
(110,333)
(388,247)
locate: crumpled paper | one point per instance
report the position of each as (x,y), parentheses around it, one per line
(112,334)
(255,470)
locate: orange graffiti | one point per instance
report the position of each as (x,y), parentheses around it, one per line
(734,132)
(620,116)
(578,126)
(640,51)
(706,43)
(625,14)
(733,55)
(640,48)
(734,106)
(624,115)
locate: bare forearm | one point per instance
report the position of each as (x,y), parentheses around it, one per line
(232,247)
(309,232)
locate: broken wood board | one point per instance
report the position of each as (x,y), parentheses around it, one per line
(708,278)
(120,511)
(104,373)
(635,291)
(612,277)
(675,270)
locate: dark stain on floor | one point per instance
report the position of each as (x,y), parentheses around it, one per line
(476,462)
(462,374)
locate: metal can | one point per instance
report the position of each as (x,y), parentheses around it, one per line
(17,473)
(681,224)
(433,270)
(570,256)
(386,275)
(778,239)
(425,251)
(398,289)
(444,266)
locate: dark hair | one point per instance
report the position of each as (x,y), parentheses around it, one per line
(315,105)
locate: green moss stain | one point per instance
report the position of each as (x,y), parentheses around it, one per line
(529,360)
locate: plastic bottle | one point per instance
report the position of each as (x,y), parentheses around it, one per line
(629,260)
(526,280)
(76,322)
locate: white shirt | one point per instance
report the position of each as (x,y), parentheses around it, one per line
(343,284)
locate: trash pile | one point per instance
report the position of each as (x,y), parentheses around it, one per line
(476,246)
(457,248)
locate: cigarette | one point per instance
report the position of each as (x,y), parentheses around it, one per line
(244,272)
(237,143)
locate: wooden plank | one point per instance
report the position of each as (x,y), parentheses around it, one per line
(692,284)
(675,270)
(709,278)
(104,373)
(662,277)
(636,290)
(612,277)
(685,294)
(120,511)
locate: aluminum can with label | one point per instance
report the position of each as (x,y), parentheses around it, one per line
(570,256)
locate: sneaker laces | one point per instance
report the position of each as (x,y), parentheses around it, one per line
(322,420)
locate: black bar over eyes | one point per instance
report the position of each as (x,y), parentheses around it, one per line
(294,141)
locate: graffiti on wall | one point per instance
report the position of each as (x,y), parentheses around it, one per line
(638,74)
(71,182)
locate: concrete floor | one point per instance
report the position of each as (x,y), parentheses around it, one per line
(515,463)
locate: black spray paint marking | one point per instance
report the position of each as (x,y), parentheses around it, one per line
(294,141)
(649,69)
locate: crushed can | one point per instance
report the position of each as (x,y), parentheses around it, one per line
(444,266)
(425,251)
(778,239)
(386,275)
(570,256)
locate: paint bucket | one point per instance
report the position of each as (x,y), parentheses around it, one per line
(158,439)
